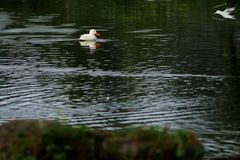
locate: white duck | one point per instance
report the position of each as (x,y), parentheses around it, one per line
(227,13)
(89,37)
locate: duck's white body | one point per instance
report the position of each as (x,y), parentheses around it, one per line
(227,13)
(89,37)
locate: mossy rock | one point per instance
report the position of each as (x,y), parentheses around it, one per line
(48,140)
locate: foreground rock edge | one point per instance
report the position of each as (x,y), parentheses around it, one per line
(50,140)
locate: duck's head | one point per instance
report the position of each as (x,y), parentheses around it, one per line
(218,12)
(94,32)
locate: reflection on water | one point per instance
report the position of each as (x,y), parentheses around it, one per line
(158,63)
(92,45)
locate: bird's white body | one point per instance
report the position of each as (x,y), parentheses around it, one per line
(89,37)
(227,13)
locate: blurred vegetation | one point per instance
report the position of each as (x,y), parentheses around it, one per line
(119,10)
(46,140)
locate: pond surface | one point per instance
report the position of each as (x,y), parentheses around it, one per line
(157,63)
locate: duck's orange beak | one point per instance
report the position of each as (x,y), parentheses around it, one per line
(97,34)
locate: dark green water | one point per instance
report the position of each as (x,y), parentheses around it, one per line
(161,63)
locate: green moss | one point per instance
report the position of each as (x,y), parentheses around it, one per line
(45,140)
